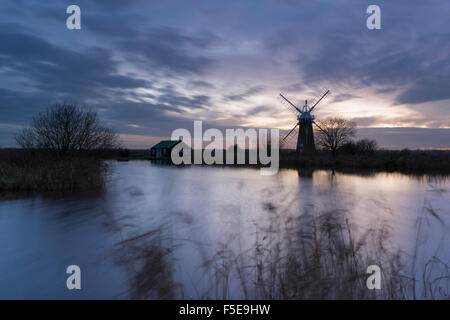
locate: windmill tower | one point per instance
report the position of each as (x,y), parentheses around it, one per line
(305,120)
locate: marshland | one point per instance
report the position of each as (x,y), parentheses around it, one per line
(167,232)
(357,97)
(151,230)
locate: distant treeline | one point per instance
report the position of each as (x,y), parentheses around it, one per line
(385,160)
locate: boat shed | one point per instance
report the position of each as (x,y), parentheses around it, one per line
(163,149)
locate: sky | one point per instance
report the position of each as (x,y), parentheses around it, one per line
(150,67)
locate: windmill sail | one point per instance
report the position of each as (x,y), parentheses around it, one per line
(289,139)
(287,102)
(294,128)
(320,99)
(321,94)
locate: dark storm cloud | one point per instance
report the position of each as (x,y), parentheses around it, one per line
(170,50)
(59,70)
(62,74)
(102,24)
(427,88)
(18,107)
(409,54)
(117,4)
(342,60)
(181,55)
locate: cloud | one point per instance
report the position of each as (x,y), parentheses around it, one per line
(344,97)
(260,110)
(243,95)
(167,49)
(427,88)
(407,57)
(201,84)
(19,107)
(159,65)
(366,121)
(54,69)
(169,96)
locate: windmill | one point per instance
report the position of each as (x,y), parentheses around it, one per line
(305,139)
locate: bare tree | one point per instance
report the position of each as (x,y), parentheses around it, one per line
(334,133)
(65,129)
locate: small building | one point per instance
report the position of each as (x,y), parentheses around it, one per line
(163,149)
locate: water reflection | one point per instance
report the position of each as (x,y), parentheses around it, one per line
(159,232)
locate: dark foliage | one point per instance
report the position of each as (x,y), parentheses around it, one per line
(385,160)
(42,171)
(363,146)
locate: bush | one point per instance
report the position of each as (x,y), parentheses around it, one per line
(38,170)
(363,146)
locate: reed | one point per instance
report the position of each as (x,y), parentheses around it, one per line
(42,171)
(315,255)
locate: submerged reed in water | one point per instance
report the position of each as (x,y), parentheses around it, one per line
(309,256)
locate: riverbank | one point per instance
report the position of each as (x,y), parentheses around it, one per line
(39,171)
(433,161)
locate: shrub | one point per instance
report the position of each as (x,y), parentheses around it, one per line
(39,170)
(363,146)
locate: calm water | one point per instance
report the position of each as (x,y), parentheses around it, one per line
(160,226)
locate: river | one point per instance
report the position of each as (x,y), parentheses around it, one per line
(168,232)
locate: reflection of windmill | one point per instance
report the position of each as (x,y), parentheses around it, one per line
(305,140)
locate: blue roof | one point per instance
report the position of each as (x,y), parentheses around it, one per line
(164,144)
